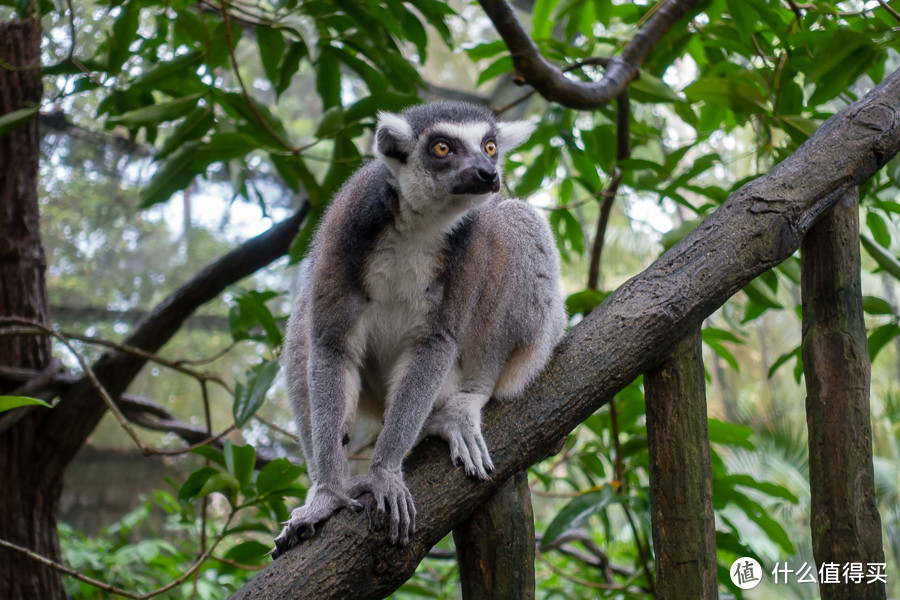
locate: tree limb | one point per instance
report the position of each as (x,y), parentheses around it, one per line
(759,226)
(148,414)
(68,425)
(550,81)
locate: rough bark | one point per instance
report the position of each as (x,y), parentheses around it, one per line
(681,503)
(846,526)
(758,226)
(495,546)
(31,490)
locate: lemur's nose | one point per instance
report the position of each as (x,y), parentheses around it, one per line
(487,175)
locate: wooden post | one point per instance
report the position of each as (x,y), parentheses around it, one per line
(684,535)
(495,546)
(846,526)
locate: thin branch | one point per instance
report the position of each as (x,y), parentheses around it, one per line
(532,68)
(68,571)
(29,326)
(226,18)
(581,581)
(601,61)
(890,10)
(41,379)
(623,151)
(642,553)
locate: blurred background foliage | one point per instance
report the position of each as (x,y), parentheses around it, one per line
(174,129)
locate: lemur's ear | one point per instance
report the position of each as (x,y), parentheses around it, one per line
(513,134)
(393,137)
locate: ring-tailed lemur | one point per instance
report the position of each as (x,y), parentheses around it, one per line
(428,293)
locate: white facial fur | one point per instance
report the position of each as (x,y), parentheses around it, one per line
(426,193)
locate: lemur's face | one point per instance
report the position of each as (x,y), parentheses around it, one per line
(460,158)
(445,158)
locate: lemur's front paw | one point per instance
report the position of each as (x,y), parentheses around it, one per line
(391,496)
(321,504)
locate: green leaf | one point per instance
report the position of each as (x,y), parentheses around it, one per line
(158,113)
(211,453)
(249,396)
(734,92)
(486,50)
(574,514)
(584,301)
(761,294)
(11,402)
(541,22)
(784,358)
(195,125)
(249,310)
(713,333)
(498,67)
(124,31)
(723,352)
(880,337)
(167,71)
(876,306)
(271,50)
(729,434)
(331,122)
(879,229)
(172,176)
(770,526)
(774,490)
(190,489)
(885,259)
(16,119)
(224,483)
(567,229)
(250,552)
(652,89)
(328,78)
(672,237)
(239,460)
(289,65)
(277,475)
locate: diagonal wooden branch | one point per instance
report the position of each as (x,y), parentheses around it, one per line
(67,426)
(759,226)
(550,81)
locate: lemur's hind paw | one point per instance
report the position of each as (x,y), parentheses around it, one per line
(462,430)
(393,502)
(322,503)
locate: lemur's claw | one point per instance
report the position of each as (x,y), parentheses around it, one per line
(320,505)
(394,505)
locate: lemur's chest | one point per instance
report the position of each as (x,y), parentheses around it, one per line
(398,277)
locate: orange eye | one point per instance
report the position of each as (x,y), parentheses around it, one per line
(490,148)
(441,148)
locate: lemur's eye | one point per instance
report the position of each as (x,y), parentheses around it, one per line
(441,148)
(491,148)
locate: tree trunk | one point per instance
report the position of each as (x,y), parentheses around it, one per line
(681,504)
(31,484)
(495,545)
(846,527)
